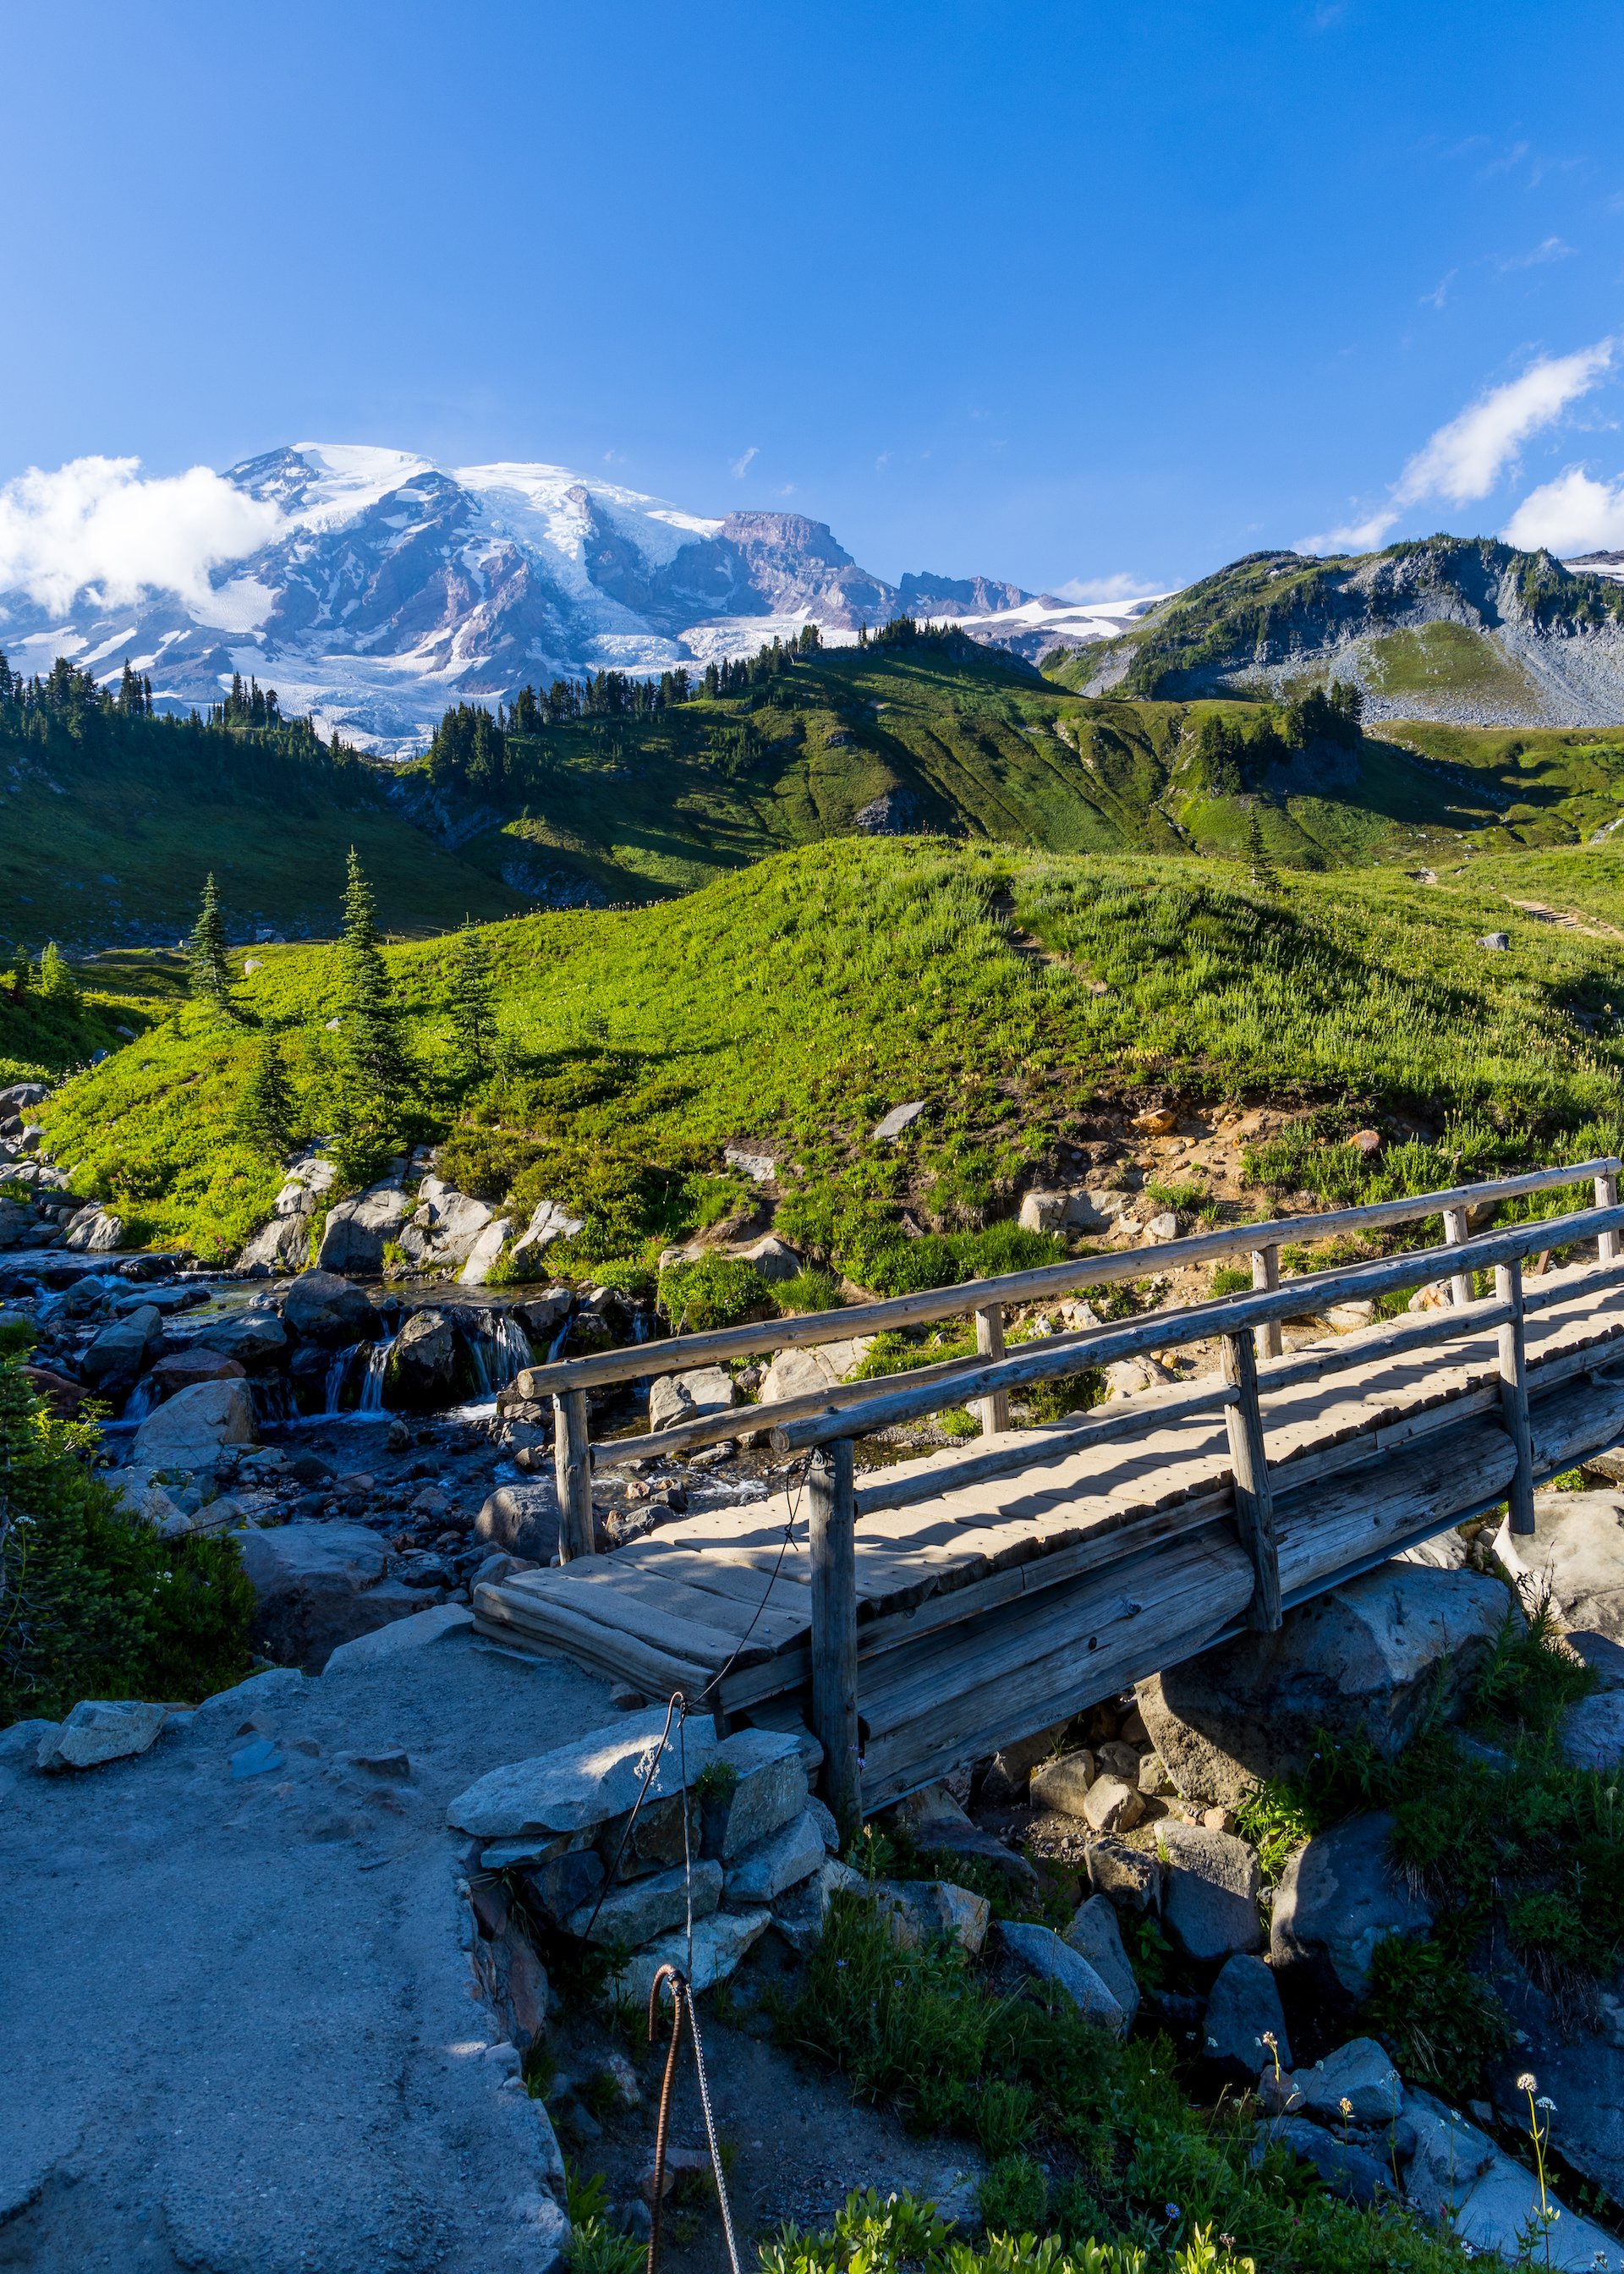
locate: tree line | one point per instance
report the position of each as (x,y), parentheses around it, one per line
(1233,753)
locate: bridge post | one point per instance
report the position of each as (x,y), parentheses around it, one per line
(1254,1502)
(1455,1232)
(572,1466)
(1607,1196)
(1266,1275)
(994,1411)
(833,1505)
(1514,1396)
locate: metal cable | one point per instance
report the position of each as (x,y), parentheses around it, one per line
(791,1493)
(682,2008)
(678,1704)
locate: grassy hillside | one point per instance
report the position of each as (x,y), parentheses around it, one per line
(1021,996)
(110,821)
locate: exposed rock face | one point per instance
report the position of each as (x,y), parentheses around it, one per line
(321,1307)
(318,1586)
(357,1230)
(445,1224)
(424,1364)
(284,1243)
(188,1430)
(550,1220)
(1363,1659)
(483,1255)
(1340,1898)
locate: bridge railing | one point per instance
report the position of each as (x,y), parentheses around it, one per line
(988,1380)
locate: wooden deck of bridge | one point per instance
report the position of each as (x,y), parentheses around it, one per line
(997,1604)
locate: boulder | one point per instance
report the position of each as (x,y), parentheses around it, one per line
(424,1363)
(484,1254)
(256,1339)
(19,1224)
(802,1915)
(635,1914)
(719,1942)
(1356,2084)
(755,1789)
(1096,1935)
(558,1889)
(413,1631)
(120,1352)
(1243,2007)
(21,1094)
(357,1230)
(101,1730)
(444,1224)
(1458,2177)
(95,1230)
(774,1258)
(190,1429)
(317,1585)
(20,1741)
(62,1394)
(1111,1805)
(1062,1784)
(1038,1950)
(1338,1900)
(1067,1210)
(550,1220)
(321,1307)
(1347,2168)
(284,1243)
(807,1373)
(1577,1551)
(922,1911)
(1009,1772)
(1130,1878)
(685,1397)
(178,1370)
(522,1520)
(1209,1893)
(940,1828)
(775,1865)
(1366,1659)
(1591,1736)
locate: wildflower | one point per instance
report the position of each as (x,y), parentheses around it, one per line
(1526,2084)
(1546,2101)
(1172,2209)
(1346,2106)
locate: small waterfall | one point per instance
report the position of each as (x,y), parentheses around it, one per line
(339,1369)
(555,1348)
(272,1399)
(498,1346)
(370,1400)
(141,1401)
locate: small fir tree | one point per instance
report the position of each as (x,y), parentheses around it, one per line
(473,1004)
(267,1115)
(206,951)
(19,979)
(1263,871)
(375,1069)
(57,983)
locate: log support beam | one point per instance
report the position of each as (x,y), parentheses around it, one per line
(831,1502)
(1255,1505)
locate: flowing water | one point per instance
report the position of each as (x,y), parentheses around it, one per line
(496,1346)
(370,1400)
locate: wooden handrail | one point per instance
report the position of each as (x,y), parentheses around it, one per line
(683,1354)
(1060,1355)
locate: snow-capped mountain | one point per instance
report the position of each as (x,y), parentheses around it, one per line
(392,586)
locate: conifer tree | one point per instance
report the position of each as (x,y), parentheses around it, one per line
(57,983)
(205,952)
(378,1072)
(1263,871)
(472,1000)
(267,1115)
(21,976)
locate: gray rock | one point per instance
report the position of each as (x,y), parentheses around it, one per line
(1095,1935)
(558,1887)
(1604,1658)
(635,1914)
(522,1520)
(1111,1805)
(95,1231)
(1338,1900)
(824,1818)
(1497,942)
(121,1350)
(550,1220)
(675,1397)
(1130,1877)
(1064,1784)
(1071,1210)
(423,1364)
(1009,1776)
(719,1942)
(899,1117)
(1458,2175)
(19,1224)
(773,1257)
(1209,1894)
(321,1307)
(775,1865)
(595,1781)
(255,1338)
(20,1745)
(922,1911)
(1241,2007)
(318,1586)
(1038,1950)
(1592,1732)
(1366,1659)
(1347,2169)
(402,1635)
(101,1730)
(444,1224)
(491,1244)
(1577,1550)
(802,1915)
(357,1230)
(765,1791)
(1361,2074)
(190,1429)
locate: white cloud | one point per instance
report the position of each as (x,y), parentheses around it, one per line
(94,524)
(1464,460)
(1120,587)
(1573,513)
(1550,248)
(741,465)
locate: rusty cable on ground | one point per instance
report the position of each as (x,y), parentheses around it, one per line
(682,2009)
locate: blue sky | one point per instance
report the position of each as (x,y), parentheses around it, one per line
(1062,293)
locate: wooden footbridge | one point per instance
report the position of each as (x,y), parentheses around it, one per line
(924,1613)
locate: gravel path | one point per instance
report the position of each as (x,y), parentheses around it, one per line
(236,2028)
